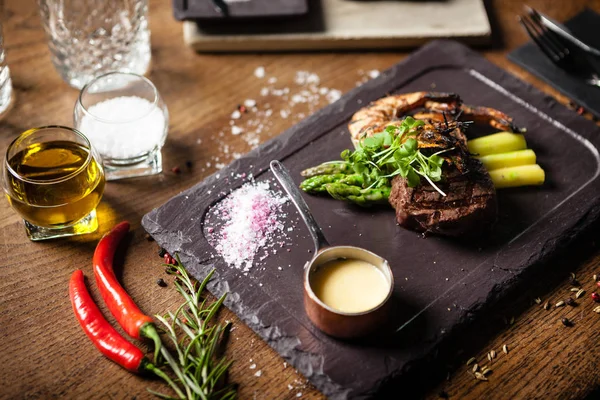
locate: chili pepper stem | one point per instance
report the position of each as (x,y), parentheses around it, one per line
(149,331)
(156,371)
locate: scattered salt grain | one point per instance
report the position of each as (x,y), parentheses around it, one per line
(258,373)
(236,130)
(253,366)
(299,394)
(124,127)
(250,103)
(333,95)
(284,113)
(236,114)
(259,72)
(373,73)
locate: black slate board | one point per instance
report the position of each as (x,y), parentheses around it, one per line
(223,10)
(441,284)
(585,26)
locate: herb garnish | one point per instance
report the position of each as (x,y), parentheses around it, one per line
(364,176)
(395,152)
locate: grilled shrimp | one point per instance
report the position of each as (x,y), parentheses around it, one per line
(438,109)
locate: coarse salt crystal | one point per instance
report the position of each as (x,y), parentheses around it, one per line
(333,95)
(264,91)
(373,73)
(250,103)
(298,99)
(272,80)
(259,72)
(253,366)
(258,373)
(236,130)
(236,114)
(284,113)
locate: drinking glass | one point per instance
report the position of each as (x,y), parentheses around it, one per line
(126,120)
(53,178)
(5,82)
(88,38)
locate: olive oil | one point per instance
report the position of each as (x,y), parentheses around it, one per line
(55,184)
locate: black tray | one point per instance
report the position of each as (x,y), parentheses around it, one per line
(441,284)
(220,10)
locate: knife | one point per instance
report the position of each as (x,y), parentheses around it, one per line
(563,31)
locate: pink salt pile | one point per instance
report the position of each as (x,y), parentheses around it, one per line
(252,220)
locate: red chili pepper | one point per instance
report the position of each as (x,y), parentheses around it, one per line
(120,304)
(103,335)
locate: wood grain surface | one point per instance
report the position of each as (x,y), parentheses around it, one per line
(43,352)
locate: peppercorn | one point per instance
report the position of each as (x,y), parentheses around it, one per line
(161,252)
(566,322)
(596,297)
(161,282)
(571,302)
(176,170)
(189,164)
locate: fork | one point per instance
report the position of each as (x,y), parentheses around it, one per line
(562,54)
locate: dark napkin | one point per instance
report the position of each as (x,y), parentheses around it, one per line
(585,26)
(221,9)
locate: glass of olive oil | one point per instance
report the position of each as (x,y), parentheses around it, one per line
(54,179)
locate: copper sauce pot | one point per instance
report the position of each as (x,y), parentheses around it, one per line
(335,323)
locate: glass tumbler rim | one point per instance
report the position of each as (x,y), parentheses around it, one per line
(108,121)
(31,131)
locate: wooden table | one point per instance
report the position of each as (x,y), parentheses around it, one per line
(44,353)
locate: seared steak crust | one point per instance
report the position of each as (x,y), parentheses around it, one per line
(469,208)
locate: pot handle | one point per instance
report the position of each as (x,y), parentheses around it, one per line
(284,178)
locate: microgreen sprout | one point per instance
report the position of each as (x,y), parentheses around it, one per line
(395,151)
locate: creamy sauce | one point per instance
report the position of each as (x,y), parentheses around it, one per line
(349,285)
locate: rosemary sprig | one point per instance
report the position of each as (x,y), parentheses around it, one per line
(199,368)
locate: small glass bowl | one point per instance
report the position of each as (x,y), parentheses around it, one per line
(126,120)
(54,179)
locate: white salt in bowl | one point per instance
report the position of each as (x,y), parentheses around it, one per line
(126,120)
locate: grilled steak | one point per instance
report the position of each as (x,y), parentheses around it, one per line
(468,208)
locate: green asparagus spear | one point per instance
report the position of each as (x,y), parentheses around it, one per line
(354,194)
(327,168)
(316,184)
(353,180)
